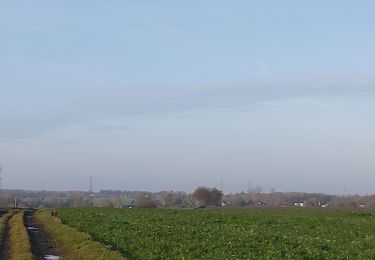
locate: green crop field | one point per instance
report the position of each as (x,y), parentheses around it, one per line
(229,233)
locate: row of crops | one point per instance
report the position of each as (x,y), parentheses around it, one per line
(229,234)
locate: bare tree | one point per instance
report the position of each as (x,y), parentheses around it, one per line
(235,200)
(190,201)
(145,200)
(172,198)
(208,196)
(113,202)
(255,193)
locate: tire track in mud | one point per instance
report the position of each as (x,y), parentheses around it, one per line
(41,244)
(5,243)
(5,236)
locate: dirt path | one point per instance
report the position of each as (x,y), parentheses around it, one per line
(3,212)
(41,244)
(5,245)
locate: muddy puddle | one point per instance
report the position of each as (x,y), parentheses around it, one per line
(41,245)
(51,257)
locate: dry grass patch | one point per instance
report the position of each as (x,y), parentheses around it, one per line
(3,223)
(73,244)
(20,248)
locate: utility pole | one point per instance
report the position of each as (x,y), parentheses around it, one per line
(122,186)
(90,186)
(1,179)
(44,195)
(248,187)
(91,193)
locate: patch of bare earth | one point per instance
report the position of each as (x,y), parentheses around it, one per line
(5,245)
(41,244)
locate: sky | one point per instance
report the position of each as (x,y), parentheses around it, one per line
(171,95)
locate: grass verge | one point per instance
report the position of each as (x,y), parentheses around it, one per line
(73,244)
(3,224)
(20,248)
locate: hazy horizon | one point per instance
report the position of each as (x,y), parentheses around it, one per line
(146,95)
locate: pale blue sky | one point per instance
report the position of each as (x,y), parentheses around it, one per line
(166,95)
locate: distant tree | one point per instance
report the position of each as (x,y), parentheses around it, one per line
(6,199)
(172,198)
(208,196)
(80,200)
(189,201)
(255,193)
(145,200)
(113,202)
(52,201)
(235,200)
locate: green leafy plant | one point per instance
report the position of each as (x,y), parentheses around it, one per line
(228,233)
